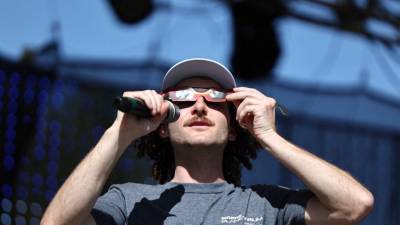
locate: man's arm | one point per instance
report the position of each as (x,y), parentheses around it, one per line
(75,199)
(339,198)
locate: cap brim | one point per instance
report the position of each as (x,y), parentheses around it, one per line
(198,67)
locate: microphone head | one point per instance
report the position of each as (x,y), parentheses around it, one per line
(173,113)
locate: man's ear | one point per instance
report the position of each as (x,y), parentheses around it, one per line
(163,131)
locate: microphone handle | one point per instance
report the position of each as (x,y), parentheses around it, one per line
(132,106)
(138,108)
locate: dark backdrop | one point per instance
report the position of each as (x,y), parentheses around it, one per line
(48,123)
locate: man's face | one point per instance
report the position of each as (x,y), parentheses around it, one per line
(201,123)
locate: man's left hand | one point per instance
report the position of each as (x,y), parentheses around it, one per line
(255,111)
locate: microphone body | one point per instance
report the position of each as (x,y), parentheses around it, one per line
(138,108)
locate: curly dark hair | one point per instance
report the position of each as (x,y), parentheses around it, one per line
(236,153)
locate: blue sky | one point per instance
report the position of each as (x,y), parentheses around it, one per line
(311,54)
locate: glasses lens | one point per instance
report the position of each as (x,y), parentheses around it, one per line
(216,94)
(182,95)
(191,94)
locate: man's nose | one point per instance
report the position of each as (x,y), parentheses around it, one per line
(200,106)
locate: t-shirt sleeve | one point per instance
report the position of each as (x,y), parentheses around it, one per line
(110,208)
(290,203)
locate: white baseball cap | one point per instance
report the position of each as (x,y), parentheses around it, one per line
(198,67)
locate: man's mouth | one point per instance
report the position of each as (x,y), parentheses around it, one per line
(199,123)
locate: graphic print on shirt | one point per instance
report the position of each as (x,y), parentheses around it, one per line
(240,219)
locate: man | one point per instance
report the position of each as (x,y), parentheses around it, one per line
(199,168)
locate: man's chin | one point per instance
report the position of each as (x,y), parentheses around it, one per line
(203,143)
(200,139)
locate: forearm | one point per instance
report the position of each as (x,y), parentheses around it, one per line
(334,188)
(74,200)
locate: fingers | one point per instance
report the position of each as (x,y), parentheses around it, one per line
(247,109)
(156,101)
(242,93)
(245,115)
(151,99)
(245,104)
(252,105)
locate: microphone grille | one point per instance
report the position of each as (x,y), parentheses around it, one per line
(173,113)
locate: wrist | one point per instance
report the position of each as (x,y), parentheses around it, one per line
(120,137)
(268,139)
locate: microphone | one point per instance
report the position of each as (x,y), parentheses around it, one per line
(138,108)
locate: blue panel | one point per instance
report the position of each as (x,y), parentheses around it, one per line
(6,190)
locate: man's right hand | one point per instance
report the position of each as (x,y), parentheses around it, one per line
(84,185)
(130,127)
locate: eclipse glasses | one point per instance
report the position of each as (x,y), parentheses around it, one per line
(191,94)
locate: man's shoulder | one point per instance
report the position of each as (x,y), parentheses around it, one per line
(279,195)
(138,188)
(269,188)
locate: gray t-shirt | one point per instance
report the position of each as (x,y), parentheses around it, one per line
(196,204)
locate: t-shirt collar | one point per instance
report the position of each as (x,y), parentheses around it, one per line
(201,187)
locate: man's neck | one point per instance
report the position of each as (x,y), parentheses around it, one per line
(198,166)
